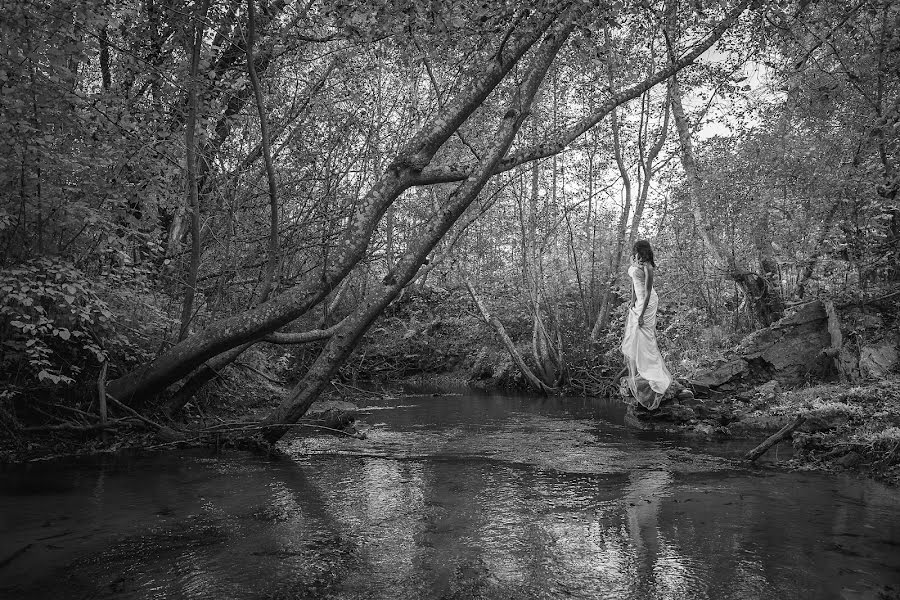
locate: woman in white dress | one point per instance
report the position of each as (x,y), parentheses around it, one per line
(648,378)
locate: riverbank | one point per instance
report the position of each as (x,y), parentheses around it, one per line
(212,421)
(846,428)
(852,429)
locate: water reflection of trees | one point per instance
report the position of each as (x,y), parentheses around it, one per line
(654,535)
(451,526)
(458,527)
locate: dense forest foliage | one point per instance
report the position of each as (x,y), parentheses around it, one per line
(189,183)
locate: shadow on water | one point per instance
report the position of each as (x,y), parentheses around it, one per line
(461,496)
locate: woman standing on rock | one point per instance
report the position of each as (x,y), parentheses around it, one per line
(648,378)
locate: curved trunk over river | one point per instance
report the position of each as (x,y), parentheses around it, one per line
(342,343)
(252,324)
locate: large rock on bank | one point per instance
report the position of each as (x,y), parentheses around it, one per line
(878,360)
(790,351)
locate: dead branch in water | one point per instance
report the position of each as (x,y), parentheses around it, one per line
(775,438)
(235,427)
(162,431)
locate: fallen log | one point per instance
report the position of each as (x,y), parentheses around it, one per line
(68,427)
(494,322)
(336,416)
(775,438)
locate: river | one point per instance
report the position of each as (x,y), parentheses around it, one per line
(454,496)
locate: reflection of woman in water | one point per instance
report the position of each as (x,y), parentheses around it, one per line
(643,495)
(648,378)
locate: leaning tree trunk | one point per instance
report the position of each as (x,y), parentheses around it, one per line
(210,369)
(535,381)
(399,175)
(344,341)
(753,286)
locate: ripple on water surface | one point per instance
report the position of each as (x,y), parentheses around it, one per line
(459,497)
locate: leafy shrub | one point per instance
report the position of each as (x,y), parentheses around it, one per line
(52,323)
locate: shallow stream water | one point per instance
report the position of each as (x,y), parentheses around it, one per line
(460,496)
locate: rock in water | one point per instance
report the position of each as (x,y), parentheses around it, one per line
(670,416)
(676,410)
(333,414)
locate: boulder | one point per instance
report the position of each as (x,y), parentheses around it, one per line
(333,414)
(724,372)
(677,409)
(670,411)
(787,352)
(878,360)
(673,420)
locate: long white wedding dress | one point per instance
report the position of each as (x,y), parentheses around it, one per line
(648,378)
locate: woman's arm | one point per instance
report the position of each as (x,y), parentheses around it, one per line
(648,285)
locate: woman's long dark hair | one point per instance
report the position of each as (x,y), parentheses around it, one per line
(644,252)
